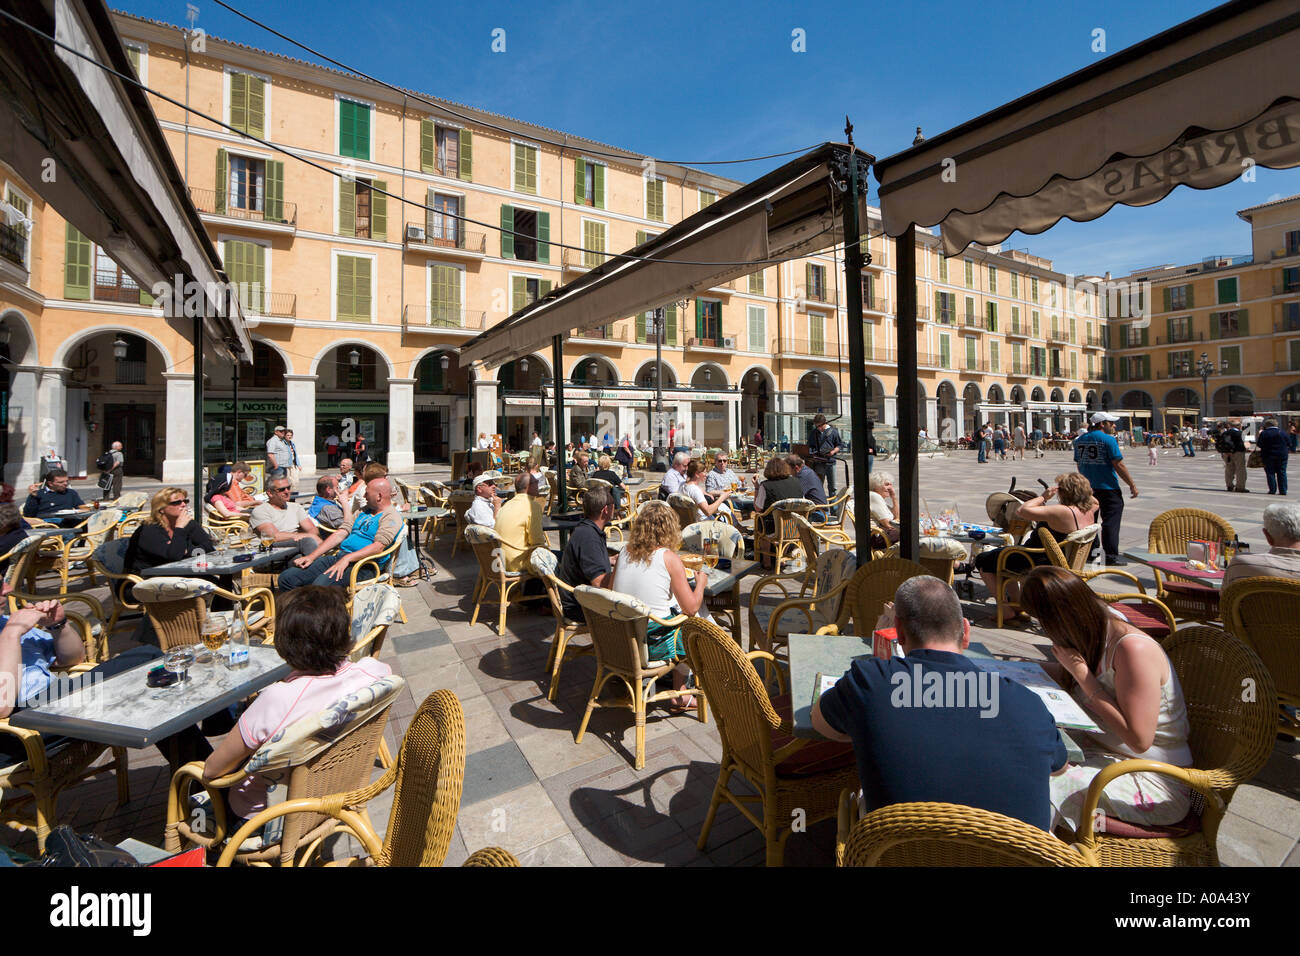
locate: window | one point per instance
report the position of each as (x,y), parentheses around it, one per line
(869,292)
(1033,288)
(363,208)
(756,286)
(131,369)
(1055,290)
(1291,316)
(1228,325)
(525,168)
(249,187)
(446,150)
(1016,366)
(1092,368)
(525,290)
(354,129)
(993,278)
(945,351)
(245,264)
(945,307)
(525,234)
(1074,365)
(1056,326)
(943,268)
(995,359)
(112,283)
(1037,360)
(445,296)
(707,198)
(1294,346)
(1178,297)
(654,199)
(1074,330)
(708,320)
(1291,279)
(1181,364)
(20,231)
(816,282)
(1034,316)
(1136,368)
(971,361)
(1055,357)
(756,317)
(135,54)
(1293,243)
(1230,360)
(248,103)
(588,183)
(970,311)
(442,225)
(970,274)
(354,291)
(1015,285)
(593,243)
(992,316)
(1015,316)
(816,334)
(1227,290)
(1179,329)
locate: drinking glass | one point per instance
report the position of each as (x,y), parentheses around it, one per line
(710,551)
(213,632)
(267,541)
(178,660)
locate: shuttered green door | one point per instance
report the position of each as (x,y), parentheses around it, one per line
(77,264)
(543,237)
(466,171)
(354,273)
(670,325)
(757,317)
(347,208)
(222,184)
(354,129)
(507,231)
(970,353)
(378,209)
(598,177)
(816,335)
(444,296)
(274,204)
(427,147)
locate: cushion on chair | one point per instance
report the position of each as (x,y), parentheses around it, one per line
(542,561)
(731,542)
(797,505)
(819,756)
(1153,623)
(103,520)
(112,555)
(943,548)
(481,534)
(1191,589)
(1187,826)
(373,606)
(160,590)
(1083,535)
(620,607)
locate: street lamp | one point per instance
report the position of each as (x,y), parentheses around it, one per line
(1205,368)
(119,348)
(443,360)
(523,365)
(354,358)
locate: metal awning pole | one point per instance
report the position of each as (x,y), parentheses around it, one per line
(854,259)
(909,445)
(234,385)
(197,500)
(557,374)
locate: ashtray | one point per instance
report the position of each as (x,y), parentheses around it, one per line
(242,558)
(975,533)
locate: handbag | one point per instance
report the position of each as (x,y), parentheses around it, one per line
(65,847)
(1256,459)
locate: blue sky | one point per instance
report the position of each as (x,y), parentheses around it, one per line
(707,81)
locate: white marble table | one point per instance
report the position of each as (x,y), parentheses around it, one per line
(123,711)
(216,565)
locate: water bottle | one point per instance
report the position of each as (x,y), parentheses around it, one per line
(238,645)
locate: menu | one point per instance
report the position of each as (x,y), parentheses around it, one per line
(1060,704)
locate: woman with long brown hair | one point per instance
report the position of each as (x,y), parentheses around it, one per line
(1124,680)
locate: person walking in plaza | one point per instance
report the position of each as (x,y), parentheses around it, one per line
(1018,442)
(277,452)
(1153,455)
(116,462)
(294,465)
(1274,447)
(331,449)
(1185,440)
(999,443)
(1293,433)
(360,452)
(1036,436)
(1232,447)
(1097,457)
(980,444)
(823,447)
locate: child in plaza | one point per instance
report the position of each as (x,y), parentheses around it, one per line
(1152,454)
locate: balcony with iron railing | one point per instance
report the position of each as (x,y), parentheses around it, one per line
(277,304)
(581,260)
(129,371)
(721,343)
(613,332)
(13,245)
(205,200)
(115,286)
(441,318)
(1287,288)
(876,304)
(814,298)
(447,238)
(1059,335)
(945,317)
(1018,330)
(1286,366)
(973,367)
(1017,371)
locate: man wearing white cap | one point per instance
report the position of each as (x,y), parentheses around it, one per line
(278,453)
(486,503)
(1098,458)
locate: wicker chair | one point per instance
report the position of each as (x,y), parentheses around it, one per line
(784,535)
(684,508)
(788,774)
(492,573)
(730,547)
(177,606)
(439,518)
(946,834)
(1168,534)
(382,562)
(771,624)
(109,562)
(618,625)
(33,785)
(71,557)
(872,585)
(1145,612)
(427,780)
(327,752)
(814,538)
(1073,556)
(459,503)
(1231,739)
(834,511)
(1265,613)
(543,564)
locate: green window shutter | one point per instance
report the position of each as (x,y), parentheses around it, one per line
(1243,322)
(670,325)
(239,101)
(807,280)
(507,231)
(76,264)
(256,259)
(256,106)
(1168,305)
(1142,335)
(234,262)
(1173,364)
(1169,323)
(347,128)
(599,180)
(699,319)
(444,296)
(518,293)
(544,287)
(945,351)
(1227,289)
(346,287)
(133,54)
(640,327)
(543,237)
(970,352)
(1214,325)
(1191,303)
(274,191)
(816,334)
(994,355)
(362,140)
(579,181)
(347,207)
(756,282)
(466,170)
(1295,354)
(938,305)
(222,185)
(427,146)
(363,267)
(641,236)
(378,209)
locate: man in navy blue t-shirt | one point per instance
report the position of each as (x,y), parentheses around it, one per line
(931,726)
(1097,457)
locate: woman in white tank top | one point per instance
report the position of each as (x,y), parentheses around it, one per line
(1123,678)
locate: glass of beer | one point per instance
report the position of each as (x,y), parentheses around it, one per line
(267,541)
(710,551)
(213,632)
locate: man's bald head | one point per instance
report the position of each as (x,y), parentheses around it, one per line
(379,493)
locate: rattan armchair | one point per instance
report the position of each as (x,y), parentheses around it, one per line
(788,773)
(618,623)
(685,509)
(1231,707)
(492,573)
(109,562)
(459,503)
(871,586)
(1169,533)
(327,752)
(543,564)
(427,780)
(784,535)
(834,511)
(946,834)
(382,564)
(771,624)
(1265,613)
(1072,556)
(176,608)
(438,519)
(71,557)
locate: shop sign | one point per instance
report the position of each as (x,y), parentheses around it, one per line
(272,408)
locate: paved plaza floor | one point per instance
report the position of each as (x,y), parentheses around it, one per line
(531,789)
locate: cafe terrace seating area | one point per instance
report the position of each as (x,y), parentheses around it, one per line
(508,736)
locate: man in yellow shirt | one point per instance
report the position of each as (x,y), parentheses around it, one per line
(519,522)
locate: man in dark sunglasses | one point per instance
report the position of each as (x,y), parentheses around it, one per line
(284,520)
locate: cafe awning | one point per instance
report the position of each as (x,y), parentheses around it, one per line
(789,212)
(1195,105)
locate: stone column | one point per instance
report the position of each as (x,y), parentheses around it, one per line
(891,409)
(24,464)
(52,410)
(733,410)
(401,425)
(484,393)
(178,458)
(300,416)
(932,417)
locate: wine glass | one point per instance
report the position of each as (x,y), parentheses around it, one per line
(178,660)
(267,541)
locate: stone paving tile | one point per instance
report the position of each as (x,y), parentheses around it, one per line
(1245,843)
(562,851)
(430,637)
(495,771)
(517,820)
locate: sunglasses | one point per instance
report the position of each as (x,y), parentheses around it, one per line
(179,501)
(278,490)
